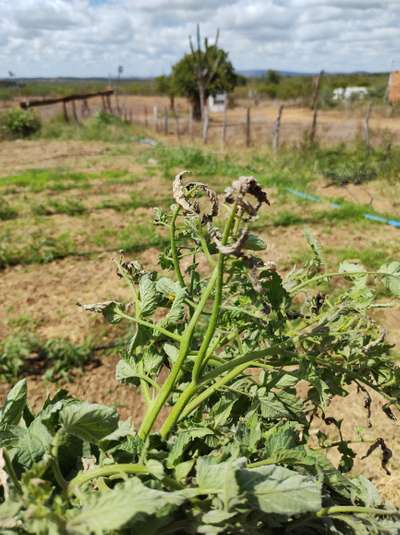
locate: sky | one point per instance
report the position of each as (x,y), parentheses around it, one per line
(92,37)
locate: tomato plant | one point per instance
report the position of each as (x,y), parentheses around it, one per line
(220,349)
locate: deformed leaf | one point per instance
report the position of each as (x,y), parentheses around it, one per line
(148,294)
(392,279)
(356,271)
(254,243)
(28,445)
(167,287)
(177,309)
(89,421)
(220,478)
(109,309)
(277,490)
(121,507)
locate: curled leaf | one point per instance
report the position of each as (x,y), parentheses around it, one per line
(386,453)
(246,185)
(181,193)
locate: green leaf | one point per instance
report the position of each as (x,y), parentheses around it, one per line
(122,506)
(177,309)
(148,294)
(280,438)
(277,490)
(357,271)
(221,479)
(392,280)
(255,243)
(14,405)
(127,373)
(89,421)
(167,287)
(28,445)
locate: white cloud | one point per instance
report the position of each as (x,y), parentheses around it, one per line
(91,37)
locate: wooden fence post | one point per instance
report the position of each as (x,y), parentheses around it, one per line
(276,130)
(155,118)
(248,127)
(74,112)
(65,112)
(190,122)
(108,102)
(166,121)
(146,122)
(366,126)
(177,124)
(315,106)
(205,124)
(224,127)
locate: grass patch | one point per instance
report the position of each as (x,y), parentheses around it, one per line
(70,207)
(371,257)
(39,249)
(7,211)
(41,179)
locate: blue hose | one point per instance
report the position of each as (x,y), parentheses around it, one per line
(371,217)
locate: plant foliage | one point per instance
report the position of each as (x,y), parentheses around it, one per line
(21,123)
(240,447)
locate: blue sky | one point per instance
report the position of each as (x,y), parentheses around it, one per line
(92,37)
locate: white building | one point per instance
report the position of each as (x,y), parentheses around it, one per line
(349,93)
(218,103)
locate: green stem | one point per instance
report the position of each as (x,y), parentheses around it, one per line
(190,407)
(354,509)
(11,472)
(177,409)
(57,441)
(153,326)
(186,339)
(104,471)
(174,250)
(244,359)
(211,328)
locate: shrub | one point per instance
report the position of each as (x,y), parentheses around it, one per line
(226,348)
(21,123)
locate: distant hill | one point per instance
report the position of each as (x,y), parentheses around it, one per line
(258,73)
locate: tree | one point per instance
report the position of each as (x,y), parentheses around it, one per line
(203,72)
(273,77)
(165,85)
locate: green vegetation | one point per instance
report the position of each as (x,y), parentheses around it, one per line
(277,86)
(24,352)
(204,71)
(234,452)
(18,123)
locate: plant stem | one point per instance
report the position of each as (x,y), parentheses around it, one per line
(190,407)
(211,328)
(174,250)
(57,441)
(177,409)
(186,339)
(11,471)
(104,471)
(153,326)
